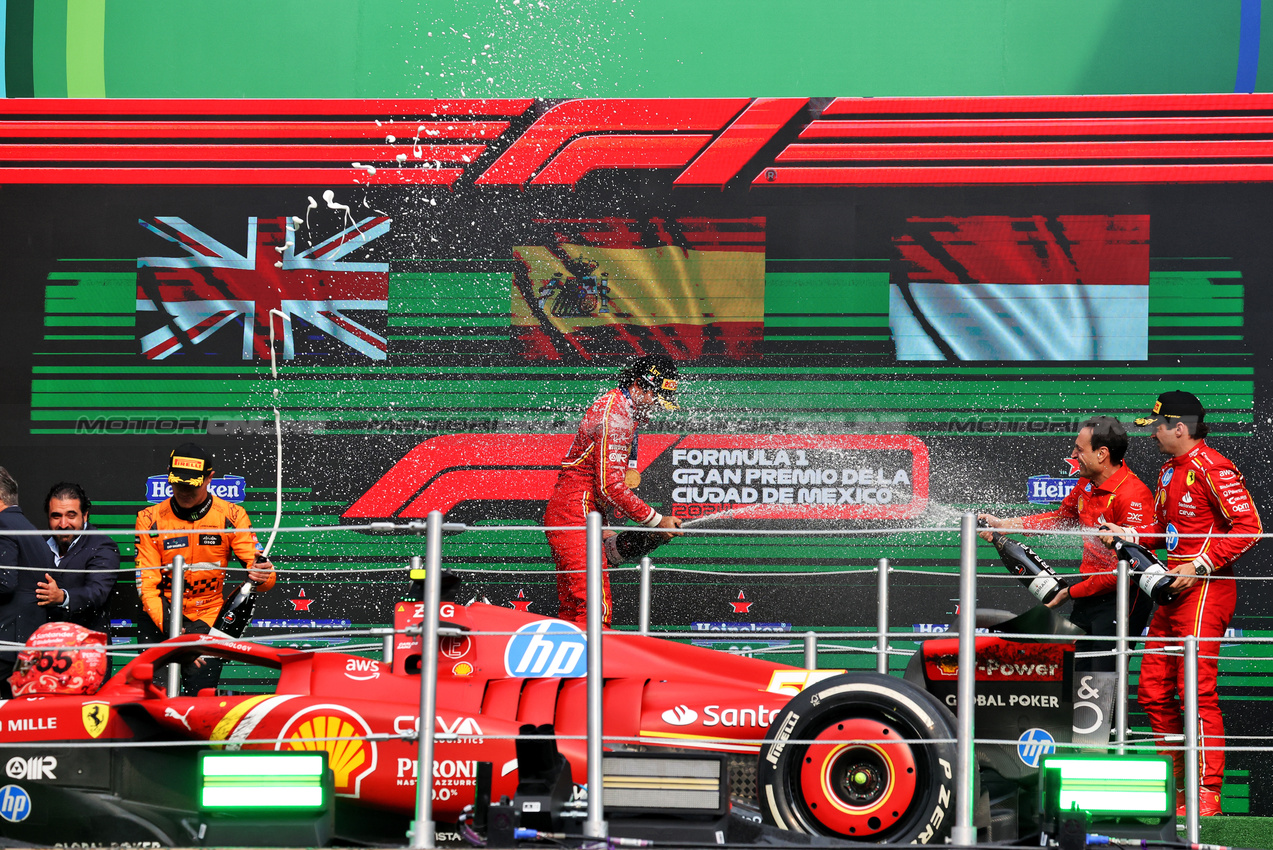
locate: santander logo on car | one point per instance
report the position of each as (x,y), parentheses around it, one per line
(681,715)
(714,715)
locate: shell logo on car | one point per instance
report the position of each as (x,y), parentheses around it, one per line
(340,732)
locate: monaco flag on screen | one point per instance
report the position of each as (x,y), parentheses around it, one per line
(1066,287)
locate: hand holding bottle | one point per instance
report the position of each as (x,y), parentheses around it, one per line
(260,571)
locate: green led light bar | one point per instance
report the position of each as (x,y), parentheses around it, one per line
(1112,786)
(262,780)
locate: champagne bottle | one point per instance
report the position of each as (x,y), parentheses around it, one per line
(1039,578)
(235,613)
(1147,570)
(630,546)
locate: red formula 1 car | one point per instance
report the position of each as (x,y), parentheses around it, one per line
(791,731)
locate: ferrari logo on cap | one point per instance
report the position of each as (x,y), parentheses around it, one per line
(95,716)
(188,463)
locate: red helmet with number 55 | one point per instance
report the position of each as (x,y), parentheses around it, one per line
(60,658)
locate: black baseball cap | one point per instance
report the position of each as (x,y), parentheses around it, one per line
(1172,407)
(189,464)
(656,372)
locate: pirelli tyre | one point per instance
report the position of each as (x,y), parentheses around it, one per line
(861,756)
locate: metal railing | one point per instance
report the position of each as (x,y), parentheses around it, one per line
(595,825)
(964,830)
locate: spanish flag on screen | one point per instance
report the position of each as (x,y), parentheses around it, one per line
(689,288)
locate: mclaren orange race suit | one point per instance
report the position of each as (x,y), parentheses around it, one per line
(592,478)
(1121,499)
(1199,492)
(207,554)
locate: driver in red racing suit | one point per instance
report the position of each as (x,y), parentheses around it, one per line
(1200,491)
(1107,491)
(598,474)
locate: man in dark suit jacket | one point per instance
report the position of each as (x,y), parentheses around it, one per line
(67,593)
(20,614)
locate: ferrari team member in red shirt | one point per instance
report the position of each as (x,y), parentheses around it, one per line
(1200,491)
(1107,492)
(183,523)
(598,474)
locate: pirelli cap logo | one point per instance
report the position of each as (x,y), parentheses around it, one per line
(669,385)
(1158,407)
(194,463)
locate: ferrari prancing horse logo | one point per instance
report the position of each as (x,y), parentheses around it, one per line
(95,715)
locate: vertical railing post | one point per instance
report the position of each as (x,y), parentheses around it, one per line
(422,829)
(965,832)
(386,647)
(595,825)
(1192,791)
(810,651)
(1122,602)
(881,618)
(643,611)
(176,616)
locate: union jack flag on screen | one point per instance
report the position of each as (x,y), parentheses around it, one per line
(215,287)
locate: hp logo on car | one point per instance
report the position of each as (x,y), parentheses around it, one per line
(15,803)
(1033,745)
(547,649)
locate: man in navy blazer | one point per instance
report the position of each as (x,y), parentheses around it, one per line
(69,593)
(20,614)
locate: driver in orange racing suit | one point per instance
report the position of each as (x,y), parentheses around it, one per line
(180,519)
(598,474)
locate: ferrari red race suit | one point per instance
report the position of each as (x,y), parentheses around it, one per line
(1121,499)
(1198,492)
(592,479)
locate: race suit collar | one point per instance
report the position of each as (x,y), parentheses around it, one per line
(1180,460)
(640,416)
(196,513)
(1115,480)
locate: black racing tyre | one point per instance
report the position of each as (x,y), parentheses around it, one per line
(861,756)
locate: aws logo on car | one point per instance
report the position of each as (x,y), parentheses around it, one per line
(362,669)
